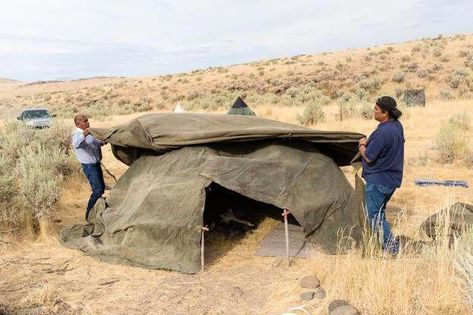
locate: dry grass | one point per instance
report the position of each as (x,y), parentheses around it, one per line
(238,282)
(45,277)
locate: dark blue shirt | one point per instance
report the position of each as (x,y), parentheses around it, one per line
(385,150)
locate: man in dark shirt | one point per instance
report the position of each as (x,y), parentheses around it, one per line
(383,161)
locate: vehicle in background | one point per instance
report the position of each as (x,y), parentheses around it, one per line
(36,117)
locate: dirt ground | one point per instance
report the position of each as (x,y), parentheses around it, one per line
(42,277)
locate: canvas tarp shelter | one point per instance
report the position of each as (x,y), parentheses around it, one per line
(239,107)
(154,215)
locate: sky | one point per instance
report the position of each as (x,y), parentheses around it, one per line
(71,39)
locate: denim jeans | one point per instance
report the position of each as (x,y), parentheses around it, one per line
(95,176)
(376,199)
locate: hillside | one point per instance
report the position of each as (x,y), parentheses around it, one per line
(442,66)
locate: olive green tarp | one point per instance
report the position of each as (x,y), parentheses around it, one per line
(154,214)
(451,221)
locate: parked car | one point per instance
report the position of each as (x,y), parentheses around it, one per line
(36,117)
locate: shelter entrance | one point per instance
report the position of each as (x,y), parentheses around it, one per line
(231,217)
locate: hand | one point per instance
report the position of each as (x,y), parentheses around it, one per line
(362,141)
(86,132)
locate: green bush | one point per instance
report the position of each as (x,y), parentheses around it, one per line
(33,164)
(313,114)
(7,180)
(39,181)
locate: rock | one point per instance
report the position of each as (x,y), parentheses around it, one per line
(309,282)
(307,296)
(340,307)
(320,293)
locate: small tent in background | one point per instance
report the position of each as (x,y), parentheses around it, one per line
(179,109)
(240,108)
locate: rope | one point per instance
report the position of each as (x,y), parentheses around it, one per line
(108,172)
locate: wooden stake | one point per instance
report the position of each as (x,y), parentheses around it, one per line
(202,257)
(286,230)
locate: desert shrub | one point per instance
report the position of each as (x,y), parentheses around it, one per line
(33,164)
(346,106)
(412,67)
(462,53)
(39,182)
(398,92)
(461,120)
(445,58)
(405,58)
(416,48)
(422,73)
(454,82)
(451,142)
(7,180)
(437,52)
(461,73)
(469,59)
(295,96)
(211,101)
(365,110)
(313,114)
(436,67)
(446,95)
(370,85)
(362,94)
(457,78)
(399,77)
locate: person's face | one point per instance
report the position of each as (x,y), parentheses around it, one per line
(379,115)
(83,123)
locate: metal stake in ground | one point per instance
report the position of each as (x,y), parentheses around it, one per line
(202,259)
(286,230)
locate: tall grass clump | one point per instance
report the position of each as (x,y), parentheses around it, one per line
(464,265)
(453,138)
(420,281)
(33,164)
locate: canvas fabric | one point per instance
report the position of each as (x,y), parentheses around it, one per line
(154,215)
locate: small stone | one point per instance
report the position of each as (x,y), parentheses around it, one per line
(320,293)
(307,296)
(309,282)
(341,307)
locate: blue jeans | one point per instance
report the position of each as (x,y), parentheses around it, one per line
(376,199)
(95,176)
